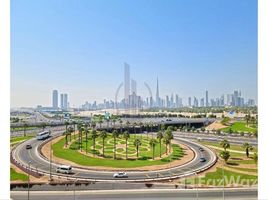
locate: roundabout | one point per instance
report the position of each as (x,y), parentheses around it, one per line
(40,162)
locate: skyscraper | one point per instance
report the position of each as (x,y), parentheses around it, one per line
(189,101)
(55,99)
(157,99)
(61,101)
(207,104)
(127,84)
(65,101)
(133,86)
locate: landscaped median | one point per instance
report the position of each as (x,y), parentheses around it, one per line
(72,155)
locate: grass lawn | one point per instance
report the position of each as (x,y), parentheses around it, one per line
(245,169)
(20,138)
(215,178)
(73,155)
(240,127)
(233,147)
(17,176)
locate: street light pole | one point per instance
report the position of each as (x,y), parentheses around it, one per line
(29,163)
(74,187)
(196,185)
(223,195)
(50,161)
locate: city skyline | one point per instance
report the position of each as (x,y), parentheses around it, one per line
(213,50)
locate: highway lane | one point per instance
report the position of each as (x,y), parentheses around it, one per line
(150,194)
(24,156)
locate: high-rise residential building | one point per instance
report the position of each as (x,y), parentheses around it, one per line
(172,101)
(207,103)
(167,102)
(127,84)
(157,98)
(236,95)
(61,101)
(202,103)
(195,102)
(189,101)
(133,86)
(65,101)
(177,101)
(55,99)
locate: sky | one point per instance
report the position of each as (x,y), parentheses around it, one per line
(79,48)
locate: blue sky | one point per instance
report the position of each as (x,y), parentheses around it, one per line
(79,48)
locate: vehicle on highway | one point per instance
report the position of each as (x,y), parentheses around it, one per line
(64,169)
(168,120)
(28,146)
(120,175)
(43,135)
(201,149)
(202,159)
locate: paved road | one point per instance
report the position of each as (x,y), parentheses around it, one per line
(212,194)
(22,155)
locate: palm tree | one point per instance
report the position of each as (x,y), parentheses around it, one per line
(73,123)
(121,122)
(70,130)
(225,144)
(126,136)
(100,122)
(160,137)
(255,157)
(134,127)
(247,148)
(25,125)
(137,144)
(225,155)
(43,125)
(94,136)
(81,137)
(114,120)
(166,141)
(115,135)
(147,130)
(152,144)
(247,118)
(93,124)
(169,136)
(66,123)
(128,123)
(86,131)
(103,135)
(141,124)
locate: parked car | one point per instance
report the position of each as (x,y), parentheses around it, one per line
(28,146)
(120,175)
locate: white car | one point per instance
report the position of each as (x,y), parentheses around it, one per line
(120,175)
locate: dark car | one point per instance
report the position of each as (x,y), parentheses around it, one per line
(168,120)
(201,149)
(28,146)
(202,160)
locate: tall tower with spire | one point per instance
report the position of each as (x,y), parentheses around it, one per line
(157,99)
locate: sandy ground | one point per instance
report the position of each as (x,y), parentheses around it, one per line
(215,126)
(189,155)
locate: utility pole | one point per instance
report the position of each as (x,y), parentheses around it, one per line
(223,195)
(50,162)
(196,185)
(29,163)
